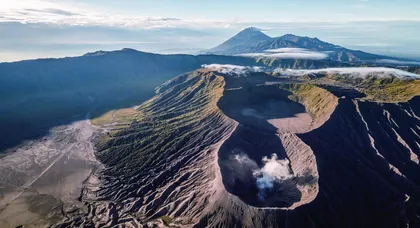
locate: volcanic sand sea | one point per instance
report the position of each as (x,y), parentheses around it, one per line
(42,177)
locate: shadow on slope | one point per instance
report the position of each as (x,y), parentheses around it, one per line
(37,95)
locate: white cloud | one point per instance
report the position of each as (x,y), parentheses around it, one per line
(376,45)
(391,61)
(72,13)
(287,50)
(307,55)
(358,72)
(232,69)
(289,53)
(61,13)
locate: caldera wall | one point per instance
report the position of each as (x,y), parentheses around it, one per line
(263,162)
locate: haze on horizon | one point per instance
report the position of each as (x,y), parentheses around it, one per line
(45,28)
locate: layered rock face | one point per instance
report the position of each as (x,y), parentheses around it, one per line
(230,150)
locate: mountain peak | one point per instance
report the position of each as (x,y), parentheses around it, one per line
(252,32)
(101,52)
(247,37)
(96,53)
(251,29)
(290,37)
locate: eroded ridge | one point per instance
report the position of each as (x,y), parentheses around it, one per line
(181,161)
(165,162)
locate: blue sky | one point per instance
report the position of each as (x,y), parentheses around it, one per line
(47,28)
(276,10)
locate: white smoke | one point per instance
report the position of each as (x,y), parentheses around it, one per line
(243,159)
(232,69)
(273,170)
(276,168)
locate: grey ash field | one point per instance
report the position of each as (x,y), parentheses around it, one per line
(232,141)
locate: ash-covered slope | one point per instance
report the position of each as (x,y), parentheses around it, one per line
(254,149)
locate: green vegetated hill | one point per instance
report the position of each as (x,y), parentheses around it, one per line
(162,125)
(413,69)
(378,88)
(382,89)
(318,101)
(390,90)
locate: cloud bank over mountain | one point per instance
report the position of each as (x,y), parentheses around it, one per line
(289,53)
(232,69)
(112,26)
(358,72)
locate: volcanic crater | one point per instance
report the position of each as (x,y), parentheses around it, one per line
(264,162)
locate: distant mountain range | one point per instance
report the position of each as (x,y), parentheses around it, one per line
(252,42)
